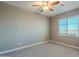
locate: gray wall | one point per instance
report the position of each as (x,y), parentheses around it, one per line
(18,26)
(54,28)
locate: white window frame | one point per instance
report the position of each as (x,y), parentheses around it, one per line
(67,28)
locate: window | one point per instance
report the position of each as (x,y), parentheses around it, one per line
(69,27)
(63,27)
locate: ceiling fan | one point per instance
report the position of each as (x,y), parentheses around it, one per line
(46,5)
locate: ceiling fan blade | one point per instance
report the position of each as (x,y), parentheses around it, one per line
(54,2)
(36,5)
(51,9)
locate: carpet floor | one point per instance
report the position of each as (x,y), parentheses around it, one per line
(45,50)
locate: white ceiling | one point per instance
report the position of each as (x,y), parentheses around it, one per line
(68,5)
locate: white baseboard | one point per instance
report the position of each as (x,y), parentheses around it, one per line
(15,49)
(68,45)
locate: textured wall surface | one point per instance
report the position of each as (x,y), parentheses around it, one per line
(20,27)
(54,28)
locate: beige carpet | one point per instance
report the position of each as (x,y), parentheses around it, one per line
(45,50)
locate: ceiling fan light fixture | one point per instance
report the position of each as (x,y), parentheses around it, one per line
(45,8)
(48,6)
